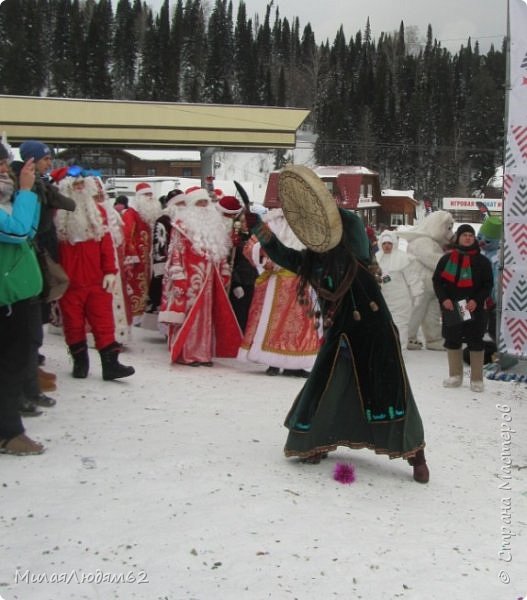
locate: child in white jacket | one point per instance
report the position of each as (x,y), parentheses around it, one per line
(401,285)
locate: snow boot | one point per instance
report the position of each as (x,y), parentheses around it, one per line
(421,472)
(81,360)
(111,367)
(476,371)
(435,345)
(455,368)
(47,382)
(414,344)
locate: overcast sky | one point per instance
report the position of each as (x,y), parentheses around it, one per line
(453,21)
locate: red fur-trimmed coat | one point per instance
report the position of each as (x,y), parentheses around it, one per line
(138,259)
(196,305)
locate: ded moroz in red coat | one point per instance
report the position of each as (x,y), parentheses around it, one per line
(86,262)
(195,302)
(138,249)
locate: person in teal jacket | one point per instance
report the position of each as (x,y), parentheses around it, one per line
(358,394)
(18,222)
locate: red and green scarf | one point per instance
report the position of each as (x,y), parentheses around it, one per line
(465,273)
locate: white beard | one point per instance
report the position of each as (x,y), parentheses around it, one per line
(149,209)
(115,222)
(113,218)
(85,222)
(228,224)
(174,212)
(204,227)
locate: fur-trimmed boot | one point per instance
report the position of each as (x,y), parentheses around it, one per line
(455,368)
(421,472)
(111,367)
(476,370)
(81,360)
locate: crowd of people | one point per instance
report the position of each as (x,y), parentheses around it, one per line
(216,278)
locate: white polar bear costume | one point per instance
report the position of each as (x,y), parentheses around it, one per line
(401,284)
(426,243)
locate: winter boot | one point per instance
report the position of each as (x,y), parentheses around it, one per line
(455,368)
(47,382)
(418,462)
(476,371)
(435,345)
(414,344)
(111,367)
(81,360)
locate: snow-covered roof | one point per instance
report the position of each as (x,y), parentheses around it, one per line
(367,203)
(335,170)
(167,155)
(403,193)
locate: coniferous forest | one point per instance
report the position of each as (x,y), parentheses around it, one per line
(424,117)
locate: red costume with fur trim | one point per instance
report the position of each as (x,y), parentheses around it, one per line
(86,263)
(138,250)
(195,304)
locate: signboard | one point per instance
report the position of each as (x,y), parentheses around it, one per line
(513,323)
(493,204)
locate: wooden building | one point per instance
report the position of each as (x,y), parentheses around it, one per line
(354,188)
(398,207)
(116,162)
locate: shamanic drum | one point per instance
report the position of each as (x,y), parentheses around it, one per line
(309,208)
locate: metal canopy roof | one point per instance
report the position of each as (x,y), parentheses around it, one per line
(148,124)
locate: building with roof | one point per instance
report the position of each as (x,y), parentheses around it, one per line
(398,207)
(353,187)
(117,162)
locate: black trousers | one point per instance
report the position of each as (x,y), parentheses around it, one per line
(17,323)
(31,383)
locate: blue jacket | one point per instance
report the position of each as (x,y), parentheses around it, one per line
(22,223)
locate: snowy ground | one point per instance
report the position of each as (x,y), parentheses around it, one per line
(175,481)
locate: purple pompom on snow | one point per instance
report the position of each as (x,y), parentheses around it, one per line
(344,472)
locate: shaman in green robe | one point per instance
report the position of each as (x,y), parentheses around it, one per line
(358,394)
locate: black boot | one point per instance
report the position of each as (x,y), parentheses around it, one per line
(111,367)
(81,360)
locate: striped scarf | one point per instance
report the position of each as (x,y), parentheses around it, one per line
(465,273)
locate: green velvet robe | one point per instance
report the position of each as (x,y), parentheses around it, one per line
(358,394)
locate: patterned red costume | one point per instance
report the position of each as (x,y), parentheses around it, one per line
(194,302)
(279,333)
(138,224)
(122,313)
(138,250)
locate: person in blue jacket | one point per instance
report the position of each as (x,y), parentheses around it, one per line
(18,222)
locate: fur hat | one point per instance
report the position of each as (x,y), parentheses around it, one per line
(195,194)
(172,193)
(143,188)
(34,149)
(465,228)
(229,206)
